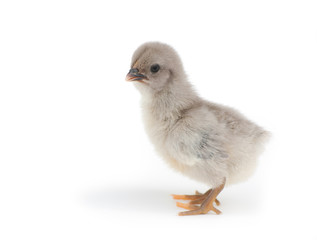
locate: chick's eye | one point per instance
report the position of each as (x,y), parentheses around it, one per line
(155,68)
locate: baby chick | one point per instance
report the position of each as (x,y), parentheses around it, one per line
(206,141)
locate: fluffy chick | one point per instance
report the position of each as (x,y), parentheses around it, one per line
(206,141)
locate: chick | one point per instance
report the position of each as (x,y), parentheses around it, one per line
(206,141)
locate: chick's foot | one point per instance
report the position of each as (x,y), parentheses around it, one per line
(200,203)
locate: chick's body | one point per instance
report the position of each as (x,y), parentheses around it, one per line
(208,142)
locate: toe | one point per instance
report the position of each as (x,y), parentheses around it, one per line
(192,212)
(217,202)
(215,210)
(187,206)
(186,197)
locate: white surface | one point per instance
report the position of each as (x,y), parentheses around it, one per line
(74,160)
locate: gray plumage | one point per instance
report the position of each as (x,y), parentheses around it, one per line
(205,141)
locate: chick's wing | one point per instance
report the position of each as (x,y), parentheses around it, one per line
(191,146)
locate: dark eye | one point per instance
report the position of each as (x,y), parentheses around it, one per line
(155,68)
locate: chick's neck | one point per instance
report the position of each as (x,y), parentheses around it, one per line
(172,101)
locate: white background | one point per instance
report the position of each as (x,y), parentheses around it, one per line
(75,162)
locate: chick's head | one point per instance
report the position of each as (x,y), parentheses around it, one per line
(154,66)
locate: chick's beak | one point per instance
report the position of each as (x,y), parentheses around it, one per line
(134,75)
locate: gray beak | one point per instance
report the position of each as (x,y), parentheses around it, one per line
(134,75)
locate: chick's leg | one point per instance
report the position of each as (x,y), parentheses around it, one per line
(206,200)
